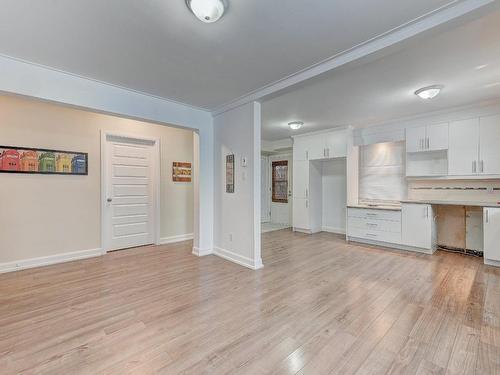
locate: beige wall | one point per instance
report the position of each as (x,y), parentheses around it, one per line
(43,215)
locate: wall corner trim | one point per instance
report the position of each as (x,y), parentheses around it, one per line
(49,260)
(201,252)
(238,259)
(174,239)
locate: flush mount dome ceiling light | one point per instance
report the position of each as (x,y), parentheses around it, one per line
(429,92)
(207,11)
(295,125)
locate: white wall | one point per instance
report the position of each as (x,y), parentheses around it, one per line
(50,215)
(237,215)
(26,79)
(334,185)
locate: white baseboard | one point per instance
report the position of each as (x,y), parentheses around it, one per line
(238,259)
(491,262)
(201,252)
(49,260)
(174,239)
(391,245)
(333,230)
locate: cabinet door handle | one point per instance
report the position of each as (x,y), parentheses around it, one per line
(307,193)
(428,143)
(420,144)
(486,216)
(307,155)
(481,166)
(474,166)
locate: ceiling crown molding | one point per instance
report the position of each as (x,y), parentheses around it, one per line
(396,35)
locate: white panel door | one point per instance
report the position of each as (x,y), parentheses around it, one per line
(416,223)
(463,151)
(415,139)
(265,189)
(489,145)
(492,234)
(129,216)
(437,137)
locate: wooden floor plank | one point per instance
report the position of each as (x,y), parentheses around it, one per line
(319,306)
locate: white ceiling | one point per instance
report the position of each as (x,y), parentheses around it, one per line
(159,48)
(465,58)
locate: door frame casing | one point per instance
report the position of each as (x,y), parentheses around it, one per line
(156,184)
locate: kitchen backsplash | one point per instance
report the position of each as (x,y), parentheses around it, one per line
(461,190)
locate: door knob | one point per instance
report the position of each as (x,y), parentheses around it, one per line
(110,200)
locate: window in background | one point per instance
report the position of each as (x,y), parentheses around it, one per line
(382,172)
(280,181)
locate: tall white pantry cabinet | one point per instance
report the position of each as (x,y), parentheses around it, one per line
(309,151)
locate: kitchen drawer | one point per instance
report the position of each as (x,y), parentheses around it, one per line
(374,224)
(374,214)
(375,235)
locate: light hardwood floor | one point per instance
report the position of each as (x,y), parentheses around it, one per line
(320,306)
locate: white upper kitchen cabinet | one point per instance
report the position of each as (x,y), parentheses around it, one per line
(316,147)
(489,145)
(427,138)
(437,137)
(300,148)
(336,144)
(319,146)
(415,139)
(491,235)
(417,224)
(463,149)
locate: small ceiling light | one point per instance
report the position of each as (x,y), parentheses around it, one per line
(429,92)
(207,11)
(295,125)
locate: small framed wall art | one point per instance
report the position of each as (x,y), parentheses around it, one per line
(230,173)
(42,161)
(181,171)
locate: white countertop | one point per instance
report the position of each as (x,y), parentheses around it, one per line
(376,207)
(454,203)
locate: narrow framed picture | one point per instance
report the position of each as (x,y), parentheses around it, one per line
(230,173)
(181,171)
(42,161)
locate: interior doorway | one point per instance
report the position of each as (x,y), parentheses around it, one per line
(277,191)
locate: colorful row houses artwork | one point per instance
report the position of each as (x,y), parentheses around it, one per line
(42,161)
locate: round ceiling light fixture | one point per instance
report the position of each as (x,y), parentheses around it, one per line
(295,125)
(207,11)
(429,92)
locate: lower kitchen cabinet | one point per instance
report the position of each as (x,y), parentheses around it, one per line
(491,235)
(418,226)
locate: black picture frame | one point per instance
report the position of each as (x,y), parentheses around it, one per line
(73,171)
